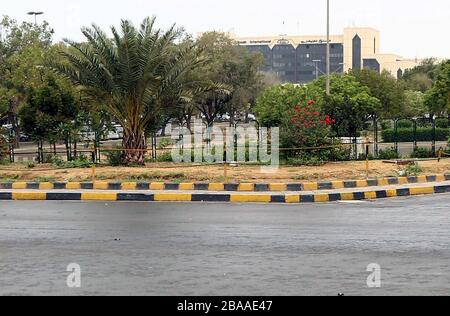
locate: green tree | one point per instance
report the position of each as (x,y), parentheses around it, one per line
(47,107)
(131,74)
(182,96)
(414,104)
(421,78)
(16,37)
(275,102)
(23,49)
(350,103)
(387,89)
(238,72)
(437,98)
(419,82)
(300,118)
(5,96)
(246,82)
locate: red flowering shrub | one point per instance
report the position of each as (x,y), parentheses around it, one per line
(307,127)
(299,113)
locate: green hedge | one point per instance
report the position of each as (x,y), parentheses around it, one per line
(442,123)
(388,154)
(422,153)
(423,134)
(405,124)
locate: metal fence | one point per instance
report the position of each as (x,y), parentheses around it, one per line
(355,143)
(430,123)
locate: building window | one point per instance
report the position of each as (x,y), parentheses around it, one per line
(357,52)
(372,64)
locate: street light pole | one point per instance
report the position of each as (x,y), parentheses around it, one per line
(328,47)
(35,15)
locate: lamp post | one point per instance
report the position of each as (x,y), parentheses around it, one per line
(35,13)
(328,47)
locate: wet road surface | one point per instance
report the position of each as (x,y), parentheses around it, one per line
(224,249)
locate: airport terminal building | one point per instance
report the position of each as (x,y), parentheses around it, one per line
(301,59)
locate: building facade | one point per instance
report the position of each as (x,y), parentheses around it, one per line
(301,59)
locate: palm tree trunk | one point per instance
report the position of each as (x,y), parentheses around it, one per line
(189,124)
(134,146)
(75,149)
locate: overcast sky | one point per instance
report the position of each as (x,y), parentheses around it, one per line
(412,28)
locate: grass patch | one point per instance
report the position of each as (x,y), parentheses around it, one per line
(155,176)
(10,178)
(80,162)
(301,178)
(143,177)
(174,176)
(45,179)
(79,179)
(7,180)
(411,170)
(219,179)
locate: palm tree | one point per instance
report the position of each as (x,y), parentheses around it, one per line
(136,74)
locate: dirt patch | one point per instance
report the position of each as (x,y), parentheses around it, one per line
(170,172)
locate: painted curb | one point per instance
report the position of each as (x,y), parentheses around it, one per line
(227,198)
(225,187)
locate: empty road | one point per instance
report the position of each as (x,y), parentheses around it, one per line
(224,249)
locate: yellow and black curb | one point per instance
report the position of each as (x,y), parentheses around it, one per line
(228,198)
(225,187)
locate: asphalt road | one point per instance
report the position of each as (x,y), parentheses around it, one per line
(223,249)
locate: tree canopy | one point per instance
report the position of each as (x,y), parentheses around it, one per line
(438,97)
(233,67)
(387,89)
(350,103)
(131,74)
(47,107)
(144,77)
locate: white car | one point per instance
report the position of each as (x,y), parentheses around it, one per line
(88,135)
(117,134)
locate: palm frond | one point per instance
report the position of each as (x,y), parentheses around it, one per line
(137,72)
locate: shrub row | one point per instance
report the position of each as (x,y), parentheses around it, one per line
(440,123)
(422,153)
(422,135)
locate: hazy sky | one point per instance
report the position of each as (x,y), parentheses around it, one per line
(412,28)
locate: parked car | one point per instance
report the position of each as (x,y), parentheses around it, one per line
(88,135)
(24,138)
(117,134)
(8,128)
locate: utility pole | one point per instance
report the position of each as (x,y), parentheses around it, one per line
(328,47)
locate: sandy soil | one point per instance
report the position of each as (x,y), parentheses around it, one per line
(191,173)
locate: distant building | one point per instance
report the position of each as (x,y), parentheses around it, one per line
(300,59)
